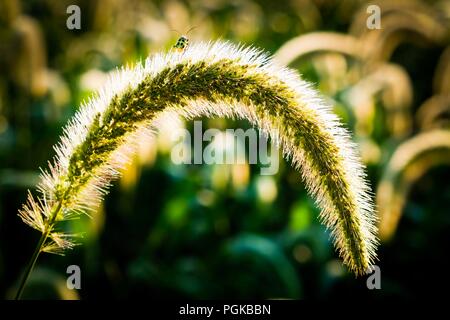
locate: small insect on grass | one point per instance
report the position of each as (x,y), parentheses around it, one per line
(182,42)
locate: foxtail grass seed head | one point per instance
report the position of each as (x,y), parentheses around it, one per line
(212,79)
(410,161)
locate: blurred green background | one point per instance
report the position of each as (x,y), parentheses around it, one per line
(224,231)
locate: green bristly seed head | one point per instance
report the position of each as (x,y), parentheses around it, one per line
(215,79)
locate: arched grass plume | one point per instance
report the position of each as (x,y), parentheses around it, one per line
(214,79)
(410,161)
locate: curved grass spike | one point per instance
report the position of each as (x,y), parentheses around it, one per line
(400,18)
(214,79)
(410,161)
(318,42)
(434,113)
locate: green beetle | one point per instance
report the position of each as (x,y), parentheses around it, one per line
(181,44)
(183,41)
